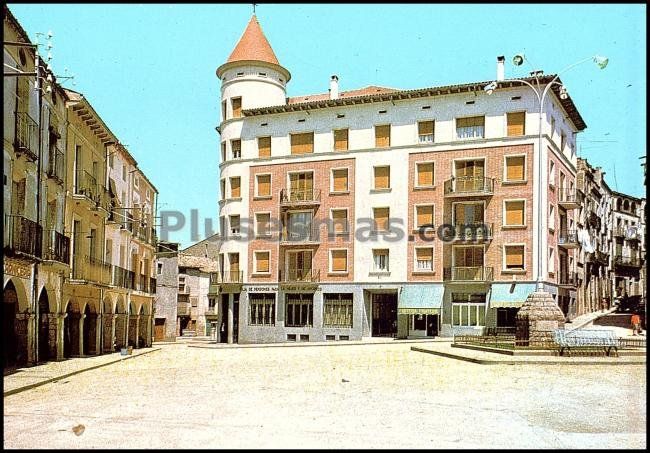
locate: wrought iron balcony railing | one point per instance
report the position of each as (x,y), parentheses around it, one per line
(91,269)
(570,198)
(469,186)
(300,275)
(22,235)
(468,273)
(56,164)
(56,247)
(235,276)
(290,197)
(86,185)
(473,231)
(627,261)
(26,141)
(123,278)
(568,279)
(300,236)
(568,238)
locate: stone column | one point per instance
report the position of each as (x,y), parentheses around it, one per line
(231,318)
(137,331)
(81,334)
(25,334)
(99,328)
(60,335)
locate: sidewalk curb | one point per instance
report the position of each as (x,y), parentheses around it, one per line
(63,376)
(315,344)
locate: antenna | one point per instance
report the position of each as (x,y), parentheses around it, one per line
(614,172)
(254,5)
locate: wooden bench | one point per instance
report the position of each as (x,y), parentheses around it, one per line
(586,339)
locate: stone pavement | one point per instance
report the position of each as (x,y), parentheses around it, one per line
(29,377)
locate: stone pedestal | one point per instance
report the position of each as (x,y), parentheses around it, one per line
(537,318)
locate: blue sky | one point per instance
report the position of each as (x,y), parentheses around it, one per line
(149,70)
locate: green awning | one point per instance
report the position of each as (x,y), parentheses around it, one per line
(421,300)
(510,295)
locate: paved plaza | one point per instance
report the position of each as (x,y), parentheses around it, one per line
(359,396)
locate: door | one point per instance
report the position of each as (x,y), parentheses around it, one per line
(384,315)
(235,318)
(159,329)
(223,329)
(432,325)
(233,258)
(299,266)
(468,263)
(469,175)
(302,185)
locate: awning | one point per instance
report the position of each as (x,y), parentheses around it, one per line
(421,300)
(510,295)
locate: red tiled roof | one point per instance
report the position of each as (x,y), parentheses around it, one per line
(372,89)
(253,45)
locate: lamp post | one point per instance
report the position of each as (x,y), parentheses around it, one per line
(541,92)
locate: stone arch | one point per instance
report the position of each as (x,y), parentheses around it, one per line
(133,324)
(71,332)
(47,328)
(52,297)
(21,294)
(108,324)
(626,205)
(143,326)
(14,328)
(120,316)
(90,328)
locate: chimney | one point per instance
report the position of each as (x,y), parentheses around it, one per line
(334,87)
(501,68)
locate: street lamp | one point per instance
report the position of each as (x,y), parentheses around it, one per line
(541,93)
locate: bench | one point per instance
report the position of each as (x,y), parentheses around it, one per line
(586,339)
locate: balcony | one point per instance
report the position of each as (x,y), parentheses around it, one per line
(183,309)
(211,312)
(568,239)
(469,186)
(56,165)
(468,274)
(56,247)
(627,262)
(145,284)
(475,232)
(629,233)
(299,276)
(22,237)
(86,186)
(123,278)
(301,237)
(228,280)
(570,198)
(26,142)
(599,258)
(299,198)
(91,269)
(568,279)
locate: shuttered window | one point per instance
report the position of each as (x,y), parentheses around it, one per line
(514,256)
(516,124)
(236,107)
(425,131)
(339,260)
(425,174)
(424,259)
(473,127)
(381,218)
(514,213)
(302,143)
(264,146)
(340,220)
(263,185)
(424,215)
(340,180)
(223,189)
(235,187)
(235,146)
(515,168)
(263,224)
(223,152)
(382,136)
(223,110)
(382,177)
(341,140)
(262,261)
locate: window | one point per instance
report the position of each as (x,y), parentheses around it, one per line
(136,180)
(236,107)
(338,310)
(223,189)
(424,216)
(299,226)
(302,143)
(551,173)
(264,146)
(425,131)
(235,187)
(234,224)
(472,127)
(467,309)
(382,136)
(341,140)
(424,174)
(262,262)
(299,310)
(194,301)
(235,146)
(123,172)
(223,110)
(551,261)
(338,261)
(551,217)
(181,284)
(263,224)
(340,180)
(382,177)
(424,259)
(261,309)
(263,185)
(514,257)
(515,168)
(159,268)
(514,213)
(339,221)
(111,159)
(380,260)
(516,124)
(562,141)
(381,218)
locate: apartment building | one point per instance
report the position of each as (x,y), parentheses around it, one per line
(62,293)
(337,209)
(166,299)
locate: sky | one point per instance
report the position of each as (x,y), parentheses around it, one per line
(149,71)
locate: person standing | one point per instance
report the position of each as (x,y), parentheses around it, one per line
(636,324)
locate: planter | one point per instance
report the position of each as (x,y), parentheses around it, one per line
(123,351)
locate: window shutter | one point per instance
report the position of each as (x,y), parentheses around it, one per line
(235,187)
(223,151)
(514,256)
(515,168)
(424,254)
(382,136)
(425,128)
(516,123)
(424,215)
(263,221)
(262,261)
(381,218)
(425,174)
(341,140)
(473,121)
(302,143)
(340,220)
(236,148)
(339,260)
(340,180)
(382,177)
(264,146)
(264,185)
(514,212)
(236,107)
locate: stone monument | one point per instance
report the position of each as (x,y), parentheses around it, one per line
(537,318)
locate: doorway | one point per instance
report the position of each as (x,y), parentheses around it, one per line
(159,329)
(223,330)
(235,318)
(384,315)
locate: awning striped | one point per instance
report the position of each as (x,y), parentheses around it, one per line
(510,295)
(421,299)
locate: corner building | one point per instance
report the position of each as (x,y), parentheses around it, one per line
(327,201)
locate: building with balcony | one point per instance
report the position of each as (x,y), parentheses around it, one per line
(387,212)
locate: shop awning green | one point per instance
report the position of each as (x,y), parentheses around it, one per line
(510,295)
(421,300)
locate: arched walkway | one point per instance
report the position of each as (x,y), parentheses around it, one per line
(143,328)
(109,325)
(120,324)
(90,329)
(133,325)
(14,329)
(46,333)
(71,331)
